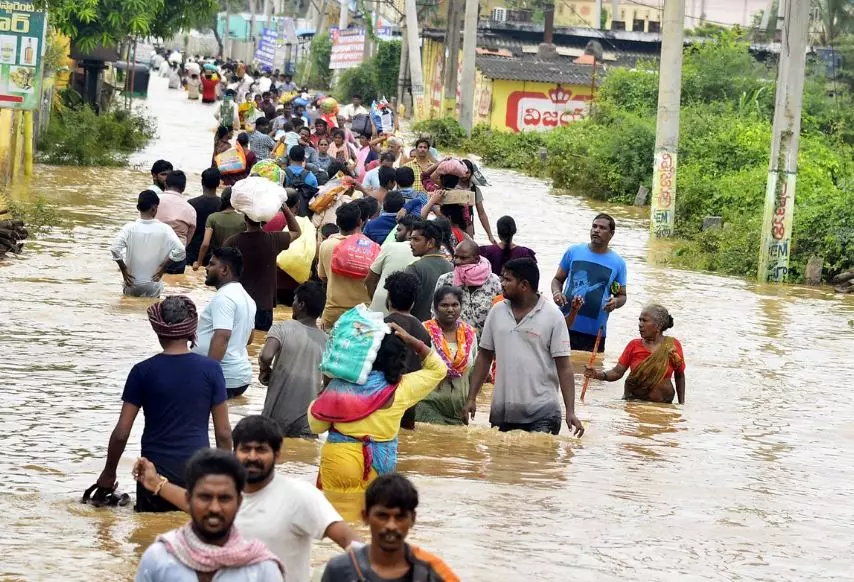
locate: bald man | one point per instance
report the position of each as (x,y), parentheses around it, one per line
(473,274)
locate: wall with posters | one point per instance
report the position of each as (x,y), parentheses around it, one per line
(433,67)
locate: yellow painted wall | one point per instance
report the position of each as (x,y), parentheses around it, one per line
(530,106)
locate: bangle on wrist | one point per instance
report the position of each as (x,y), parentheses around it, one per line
(163,481)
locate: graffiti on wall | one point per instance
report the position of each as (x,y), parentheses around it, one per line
(535,111)
(663,194)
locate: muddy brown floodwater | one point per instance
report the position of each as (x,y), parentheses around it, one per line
(750,480)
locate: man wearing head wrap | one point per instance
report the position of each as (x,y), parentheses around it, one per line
(178,391)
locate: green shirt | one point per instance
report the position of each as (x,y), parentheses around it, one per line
(224,225)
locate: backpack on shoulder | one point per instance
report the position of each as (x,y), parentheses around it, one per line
(305,192)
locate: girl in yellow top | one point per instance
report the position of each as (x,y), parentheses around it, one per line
(363,420)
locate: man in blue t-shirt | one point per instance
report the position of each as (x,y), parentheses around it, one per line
(593,272)
(296,165)
(377,229)
(178,391)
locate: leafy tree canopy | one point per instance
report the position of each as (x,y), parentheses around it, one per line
(90,23)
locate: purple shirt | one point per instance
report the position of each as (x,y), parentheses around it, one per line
(495,255)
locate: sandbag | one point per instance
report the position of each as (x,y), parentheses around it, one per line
(270,170)
(296,260)
(231,161)
(258,198)
(353,345)
(354,256)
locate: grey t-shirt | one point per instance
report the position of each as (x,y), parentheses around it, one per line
(428,269)
(526,386)
(341,569)
(296,379)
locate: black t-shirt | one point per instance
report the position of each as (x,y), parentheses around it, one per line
(204,206)
(413,327)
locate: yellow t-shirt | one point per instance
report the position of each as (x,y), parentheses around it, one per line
(342,293)
(384,424)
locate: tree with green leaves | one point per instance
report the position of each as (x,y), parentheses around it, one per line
(93,23)
(835,18)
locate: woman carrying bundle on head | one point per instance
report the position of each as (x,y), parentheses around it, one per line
(363,420)
(653,360)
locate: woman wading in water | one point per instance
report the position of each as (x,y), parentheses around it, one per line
(652,360)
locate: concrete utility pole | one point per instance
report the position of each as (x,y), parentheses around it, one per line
(403,73)
(416,73)
(785,140)
(615,11)
(469,56)
(452,44)
(268,14)
(253,5)
(344,16)
(226,33)
(663,202)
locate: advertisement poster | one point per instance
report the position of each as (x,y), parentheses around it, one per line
(348,48)
(266,51)
(22,34)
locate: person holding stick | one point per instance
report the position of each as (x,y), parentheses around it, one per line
(653,360)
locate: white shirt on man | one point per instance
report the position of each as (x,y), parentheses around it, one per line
(158,565)
(233,309)
(287,515)
(350,111)
(144,245)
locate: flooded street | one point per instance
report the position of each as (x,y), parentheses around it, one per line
(751,480)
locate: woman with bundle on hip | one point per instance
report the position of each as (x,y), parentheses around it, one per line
(456,343)
(363,420)
(653,360)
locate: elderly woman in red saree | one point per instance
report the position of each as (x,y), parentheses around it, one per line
(654,361)
(363,420)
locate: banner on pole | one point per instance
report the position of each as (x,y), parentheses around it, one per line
(22,36)
(663,203)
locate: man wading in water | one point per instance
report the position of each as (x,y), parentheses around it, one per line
(209,547)
(178,391)
(284,513)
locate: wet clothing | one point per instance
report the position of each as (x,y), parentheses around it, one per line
(295,379)
(590,275)
(143,246)
(342,293)
(394,256)
(262,144)
(176,394)
(342,458)
(495,255)
(158,565)
(426,567)
(428,269)
(549,425)
(527,385)
(413,327)
(477,301)
(204,206)
(259,250)
(175,211)
(209,90)
(224,226)
(287,515)
(230,309)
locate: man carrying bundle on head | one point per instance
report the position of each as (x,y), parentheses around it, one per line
(178,391)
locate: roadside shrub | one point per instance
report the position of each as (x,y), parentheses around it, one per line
(78,136)
(446,131)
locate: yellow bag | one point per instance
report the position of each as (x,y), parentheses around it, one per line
(326,199)
(279,152)
(297,258)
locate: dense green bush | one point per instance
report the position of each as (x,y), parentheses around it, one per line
(77,136)
(725,138)
(446,131)
(373,79)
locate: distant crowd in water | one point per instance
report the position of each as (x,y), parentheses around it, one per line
(398,317)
